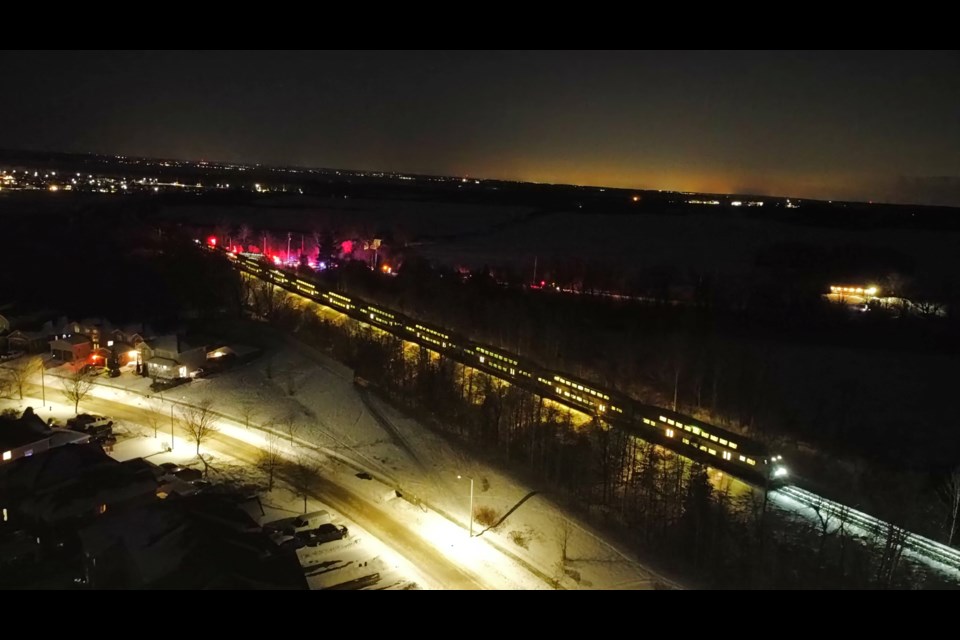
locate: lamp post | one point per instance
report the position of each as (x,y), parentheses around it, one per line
(459,477)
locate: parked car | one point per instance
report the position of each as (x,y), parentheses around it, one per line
(324,533)
(305,522)
(97,427)
(189,474)
(170,467)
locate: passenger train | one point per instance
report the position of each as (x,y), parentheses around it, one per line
(690,437)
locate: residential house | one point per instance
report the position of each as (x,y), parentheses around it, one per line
(169,357)
(72,348)
(30,341)
(73,484)
(29,434)
(200,542)
(23,437)
(131,334)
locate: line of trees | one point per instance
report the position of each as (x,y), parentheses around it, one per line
(690,359)
(658,501)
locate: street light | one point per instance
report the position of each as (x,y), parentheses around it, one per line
(460,477)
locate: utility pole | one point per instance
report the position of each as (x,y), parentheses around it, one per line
(171,425)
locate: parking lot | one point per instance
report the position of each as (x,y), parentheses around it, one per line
(356,561)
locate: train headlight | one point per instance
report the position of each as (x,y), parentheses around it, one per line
(780,472)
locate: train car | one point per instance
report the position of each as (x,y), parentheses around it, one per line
(380,317)
(278,277)
(586,395)
(718,446)
(306,288)
(339,301)
(502,362)
(433,335)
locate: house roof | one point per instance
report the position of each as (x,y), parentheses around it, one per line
(67,436)
(74,340)
(29,335)
(15,435)
(166,343)
(24,430)
(52,467)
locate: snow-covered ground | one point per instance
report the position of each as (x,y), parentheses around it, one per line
(311,405)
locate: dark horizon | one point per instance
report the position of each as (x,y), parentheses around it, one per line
(851,126)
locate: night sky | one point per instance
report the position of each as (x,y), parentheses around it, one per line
(865,126)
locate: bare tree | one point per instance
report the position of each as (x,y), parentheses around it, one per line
(824,522)
(153,415)
(18,373)
(244,234)
(303,473)
(198,421)
(248,409)
(564,528)
(950,492)
(271,456)
(893,540)
(290,425)
(290,382)
(76,386)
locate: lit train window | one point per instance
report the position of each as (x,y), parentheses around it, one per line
(670,421)
(669,433)
(663,419)
(743,458)
(687,427)
(727,455)
(751,461)
(686,441)
(712,452)
(714,438)
(733,445)
(723,441)
(704,434)
(696,430)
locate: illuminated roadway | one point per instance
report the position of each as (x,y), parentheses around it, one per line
(389,529)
